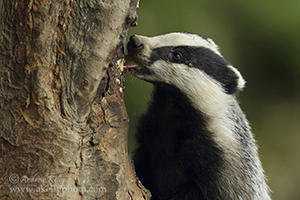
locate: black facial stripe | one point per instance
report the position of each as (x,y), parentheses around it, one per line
(202,58)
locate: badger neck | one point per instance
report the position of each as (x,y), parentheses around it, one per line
(212,107)
(234,145)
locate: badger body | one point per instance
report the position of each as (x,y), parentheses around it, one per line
(194,141)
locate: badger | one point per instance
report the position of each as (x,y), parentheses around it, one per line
(194,141)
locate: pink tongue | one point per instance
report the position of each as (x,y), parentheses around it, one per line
(133,65)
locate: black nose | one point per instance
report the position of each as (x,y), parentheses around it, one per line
(134,44)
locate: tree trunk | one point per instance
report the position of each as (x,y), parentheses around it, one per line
(63,122)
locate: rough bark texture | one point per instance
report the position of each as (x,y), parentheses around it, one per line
(63,122)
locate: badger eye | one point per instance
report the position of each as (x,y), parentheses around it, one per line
(176,55)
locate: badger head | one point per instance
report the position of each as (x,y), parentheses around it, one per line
(179,58)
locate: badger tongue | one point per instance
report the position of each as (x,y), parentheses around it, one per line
(132,65)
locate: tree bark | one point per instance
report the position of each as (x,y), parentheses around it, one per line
(63,122)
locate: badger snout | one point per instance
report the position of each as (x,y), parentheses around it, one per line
(134,47)
(134,44)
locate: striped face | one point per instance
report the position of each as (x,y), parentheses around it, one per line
(173,58)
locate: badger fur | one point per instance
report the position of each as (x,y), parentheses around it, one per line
(194,141)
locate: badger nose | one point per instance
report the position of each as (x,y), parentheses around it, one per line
(134,44)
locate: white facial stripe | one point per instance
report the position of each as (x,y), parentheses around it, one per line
(179,39)
(206,95)
(204,91)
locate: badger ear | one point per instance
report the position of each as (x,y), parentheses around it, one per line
(238,83)
(213,43)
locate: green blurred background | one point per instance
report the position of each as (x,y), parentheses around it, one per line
(262,39)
